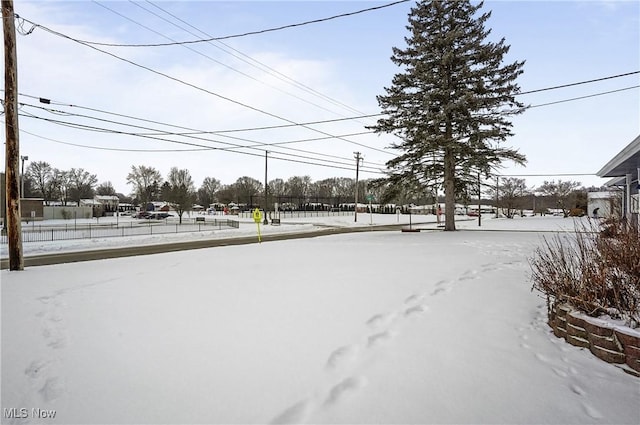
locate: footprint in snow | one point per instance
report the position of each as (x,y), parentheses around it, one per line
(52,389)
(591,411)
(344,388)
(440,290)
(58,343)
(414,298)
(380,320)
(416,310)
(378,338)
(577,389)
(36,368)
(295,414)
(561,373)
(469,275)
(341,355)
(542,358)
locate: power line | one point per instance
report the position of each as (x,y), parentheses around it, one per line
(204,55)
(583,97)
(178,80)
(548,175)
(237,130)
(580,82)
(252,61)
(256,144)
(226,37)
(233,147)
(203,148)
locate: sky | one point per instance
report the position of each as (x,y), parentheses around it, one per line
(324,71)
(429,327)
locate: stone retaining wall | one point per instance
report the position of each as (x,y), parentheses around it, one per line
(609,342)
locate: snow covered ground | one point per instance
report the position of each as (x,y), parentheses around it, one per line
(375,327)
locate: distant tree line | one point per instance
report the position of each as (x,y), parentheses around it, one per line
(511,195)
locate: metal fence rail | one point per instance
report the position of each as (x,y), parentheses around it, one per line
(300,213)
(43,233)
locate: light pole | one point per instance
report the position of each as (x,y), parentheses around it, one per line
(358,158)
(23,158)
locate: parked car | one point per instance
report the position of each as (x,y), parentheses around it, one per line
(143,214)
(160,215)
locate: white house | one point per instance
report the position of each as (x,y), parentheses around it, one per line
(624,170)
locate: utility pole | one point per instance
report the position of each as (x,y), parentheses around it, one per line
(14,225)
(357,157)
(266,188)
(497,198)
(479,201)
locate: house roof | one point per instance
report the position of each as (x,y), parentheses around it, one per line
(625,162)
(106,197)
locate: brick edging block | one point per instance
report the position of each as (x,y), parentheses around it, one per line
(607,341)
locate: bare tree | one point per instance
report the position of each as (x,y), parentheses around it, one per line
(105,189)
(298,187)
(208,190)
(560,193)
(146,182)
(246,188)
(42,176)
(181,193)
(63,185)
(81,184)
(510,193)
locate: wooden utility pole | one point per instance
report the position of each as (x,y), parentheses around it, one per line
(14,225)
(479,201)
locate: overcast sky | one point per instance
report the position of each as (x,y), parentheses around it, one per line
(323,71)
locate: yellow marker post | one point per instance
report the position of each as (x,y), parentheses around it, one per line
(257,217)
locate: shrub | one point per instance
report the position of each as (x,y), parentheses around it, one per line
(596,270)
(66,214)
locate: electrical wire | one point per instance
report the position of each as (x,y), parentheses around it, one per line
(251,61)
(237,130)
(256,144)
(204,148)
(234,147)
(584,97)
(226,37)
(579,83)
(201,89)
(204,55)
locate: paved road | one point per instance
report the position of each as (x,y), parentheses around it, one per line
(100,254)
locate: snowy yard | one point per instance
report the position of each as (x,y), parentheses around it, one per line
(380,327)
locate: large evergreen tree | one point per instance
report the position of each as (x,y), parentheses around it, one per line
(451,102)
